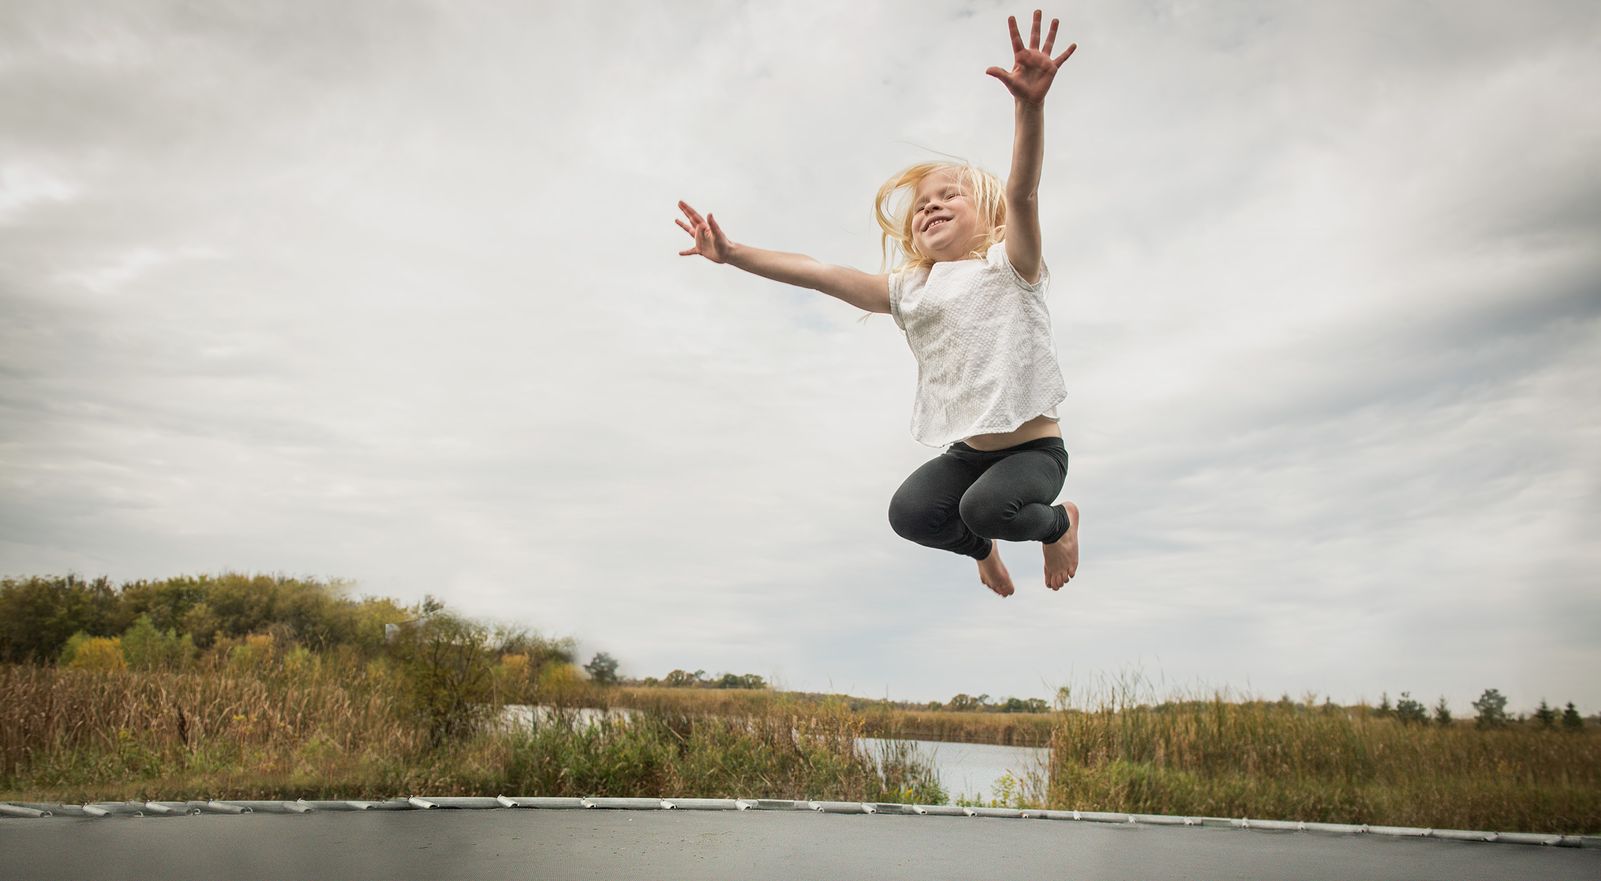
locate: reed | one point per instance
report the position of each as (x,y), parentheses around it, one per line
(328,729)
(1290,761)
(878,718)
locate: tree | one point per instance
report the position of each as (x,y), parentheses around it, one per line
(683,679)
(1491,707)
(1442,713)
(39,615)
(1546,716)
(1384,711)
(447,674)
(1410,711)
(967,702)
(1571,720)
(602,669)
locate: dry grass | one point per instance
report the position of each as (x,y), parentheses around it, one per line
(878,719)
(1288,761)
(326,730)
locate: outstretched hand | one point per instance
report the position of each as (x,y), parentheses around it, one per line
(709,239)
(1033,67)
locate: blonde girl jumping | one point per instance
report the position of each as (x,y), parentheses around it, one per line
(970,296)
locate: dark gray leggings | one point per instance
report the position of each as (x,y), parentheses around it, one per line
(964,498)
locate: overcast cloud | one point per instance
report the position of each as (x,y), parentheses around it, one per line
(390,292)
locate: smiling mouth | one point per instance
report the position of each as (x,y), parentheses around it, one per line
(934,224)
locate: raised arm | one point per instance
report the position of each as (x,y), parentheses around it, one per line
(860,289)
(1028,81)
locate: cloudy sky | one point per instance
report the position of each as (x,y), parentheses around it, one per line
(390,292)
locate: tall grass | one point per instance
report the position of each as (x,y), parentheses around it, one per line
(323,729)
(878,720)
(1217,757)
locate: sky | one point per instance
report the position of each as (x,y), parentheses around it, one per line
(390,293)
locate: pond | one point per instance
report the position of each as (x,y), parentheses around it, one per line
(970,770)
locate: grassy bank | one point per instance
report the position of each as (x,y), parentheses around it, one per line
(329,731)
(1289,761)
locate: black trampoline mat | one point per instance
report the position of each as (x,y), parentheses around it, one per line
(743,845)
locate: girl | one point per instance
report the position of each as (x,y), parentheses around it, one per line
(970,296)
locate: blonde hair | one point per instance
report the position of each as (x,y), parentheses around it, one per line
(983,188)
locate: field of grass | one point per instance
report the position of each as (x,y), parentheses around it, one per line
(249,686)
(1312,763)
(300,725)
(338,731)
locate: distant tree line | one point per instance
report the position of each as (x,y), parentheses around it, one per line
(40,616)
(450,671)
(967,703)
(1489,713)
(163,623)
(699,679)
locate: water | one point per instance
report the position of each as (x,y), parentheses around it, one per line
(970,770)
(524,715)
(966,770)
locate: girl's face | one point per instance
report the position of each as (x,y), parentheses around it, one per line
(944,220)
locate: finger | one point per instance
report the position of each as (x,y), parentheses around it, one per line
(1050,38)
(693,214)
(712,219)
(1001,75)
(1034,34)
(690,253)
(1017,39)
(1064,56)
(684,226)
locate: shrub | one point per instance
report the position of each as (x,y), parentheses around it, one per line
(146,648)
(84,652)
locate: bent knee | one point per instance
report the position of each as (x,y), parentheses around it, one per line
(909,521)
(991,518)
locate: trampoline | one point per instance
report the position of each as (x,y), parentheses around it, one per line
(572,838)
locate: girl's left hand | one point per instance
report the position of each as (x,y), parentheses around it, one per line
(1033,68)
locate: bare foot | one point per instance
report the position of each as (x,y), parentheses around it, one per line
(993,572)
(1061,556)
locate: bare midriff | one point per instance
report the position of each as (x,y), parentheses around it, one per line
(1034,429)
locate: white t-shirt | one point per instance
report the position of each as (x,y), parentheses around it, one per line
(986,360)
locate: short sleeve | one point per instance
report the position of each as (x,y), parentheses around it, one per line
(998,252)
(896,282)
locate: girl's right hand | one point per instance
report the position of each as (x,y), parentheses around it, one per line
(709,239)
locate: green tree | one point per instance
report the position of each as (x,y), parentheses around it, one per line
(1409,711)
(968,703)
(38,615)
(1546,716)
(1384,710)
(146,648)
(1442,713)
(684,679)
(1491,709)
(602,668)
(1571,720)
(447,674)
